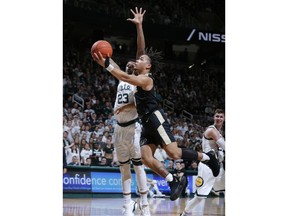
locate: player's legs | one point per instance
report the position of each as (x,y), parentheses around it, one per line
(129,205)
(175,185)
(174,152)
(143,189)
(219,185)
(123,155)
(148,159)
(195,206)
(204,183)
(126,182)
(157,131)
(141,178)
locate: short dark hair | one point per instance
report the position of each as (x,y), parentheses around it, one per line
(219,111)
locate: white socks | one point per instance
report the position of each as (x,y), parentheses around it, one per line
(127,199)
(205,157)
(169,177)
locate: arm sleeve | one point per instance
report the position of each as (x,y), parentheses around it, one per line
(221,143)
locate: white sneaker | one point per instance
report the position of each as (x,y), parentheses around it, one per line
(128,209)
(151,194)
(145,211)
(184,214)
(159,195)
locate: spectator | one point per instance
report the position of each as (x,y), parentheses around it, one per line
(85,153)
(193,166)
(66,142)
(68,129)
(82,144)
(180,172)
(170,165)
(72,152)
(105,136)
(109,128)
(160,154)
(103,162)
(97,154)
(97,132)
(75,125)
(88,162)
(93,121)
(74,161)
(101,127)
(154,191)
(110,120)
(108,152)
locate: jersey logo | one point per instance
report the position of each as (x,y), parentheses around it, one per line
(199,181)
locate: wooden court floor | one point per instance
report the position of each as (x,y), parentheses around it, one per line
(158,206)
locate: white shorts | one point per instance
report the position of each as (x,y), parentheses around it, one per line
(219,184)
(205,180)
(127,142)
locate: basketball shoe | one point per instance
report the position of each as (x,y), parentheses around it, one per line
(176,187)
(128,209)
(213,163)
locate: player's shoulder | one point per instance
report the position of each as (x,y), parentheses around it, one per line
(210,127)
(209,130)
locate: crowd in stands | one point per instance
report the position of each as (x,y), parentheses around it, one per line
(88,130)
(88,127)
(185,13)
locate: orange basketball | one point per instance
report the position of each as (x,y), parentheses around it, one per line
(102,46)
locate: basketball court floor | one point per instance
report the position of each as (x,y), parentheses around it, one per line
(158,206)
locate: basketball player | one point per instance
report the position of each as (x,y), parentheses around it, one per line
(128,130)
(155,127)
(212,140)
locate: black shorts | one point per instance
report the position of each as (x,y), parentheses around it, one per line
(156,130)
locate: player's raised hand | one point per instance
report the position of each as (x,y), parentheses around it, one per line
(97,56)
(138,16)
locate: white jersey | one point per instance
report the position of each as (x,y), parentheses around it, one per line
(205,180)
(208,143)
(125,96)
(126,139)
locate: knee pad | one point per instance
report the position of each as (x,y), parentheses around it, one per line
(136,161)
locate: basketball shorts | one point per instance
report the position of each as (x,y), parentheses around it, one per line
(156,130)
(205,180)
(127,142)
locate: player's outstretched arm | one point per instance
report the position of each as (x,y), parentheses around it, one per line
(142,81)
(137,20)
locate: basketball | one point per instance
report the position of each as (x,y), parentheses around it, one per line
(102,46)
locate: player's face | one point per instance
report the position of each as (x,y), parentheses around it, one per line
(130,67)
(219,119)
(143,64)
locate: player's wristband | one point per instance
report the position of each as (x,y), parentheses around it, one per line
(110,68)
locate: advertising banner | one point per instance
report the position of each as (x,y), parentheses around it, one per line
(108,182)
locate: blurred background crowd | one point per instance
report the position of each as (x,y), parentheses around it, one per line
(190,86)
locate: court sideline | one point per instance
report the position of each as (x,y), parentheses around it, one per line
(158,206)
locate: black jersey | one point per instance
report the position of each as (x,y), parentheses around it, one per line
(146,101)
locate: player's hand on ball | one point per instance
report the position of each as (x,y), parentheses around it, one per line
(97,56)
